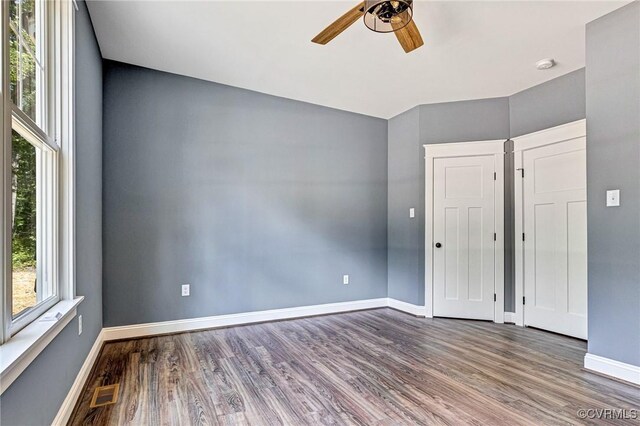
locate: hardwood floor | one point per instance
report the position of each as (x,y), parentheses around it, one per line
(377,367)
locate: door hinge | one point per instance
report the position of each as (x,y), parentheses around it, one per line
(495,237)
(523,236)
(494,297)
(495,177)
(523,300)
(521,172)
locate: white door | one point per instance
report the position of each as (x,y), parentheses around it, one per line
(463,237)
(555,237)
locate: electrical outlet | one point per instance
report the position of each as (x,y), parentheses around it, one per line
(186,289)
(412,212)
(345,279)
(79,325)
(613,198)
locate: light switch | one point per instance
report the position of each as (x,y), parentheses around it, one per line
(412,212)
(613,198)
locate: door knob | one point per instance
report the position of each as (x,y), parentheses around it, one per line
(438,245)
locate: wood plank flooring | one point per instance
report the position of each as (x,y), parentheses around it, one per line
(376,367)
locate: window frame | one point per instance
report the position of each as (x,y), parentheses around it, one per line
(47,193)
(56,136)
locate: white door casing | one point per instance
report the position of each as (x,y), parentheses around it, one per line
(464,202)
(551,229)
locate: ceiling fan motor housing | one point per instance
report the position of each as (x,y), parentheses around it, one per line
(385,16)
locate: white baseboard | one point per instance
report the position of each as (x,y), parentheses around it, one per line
(151,329)
(613,368)
(510,317)
(419,311)
(69,402)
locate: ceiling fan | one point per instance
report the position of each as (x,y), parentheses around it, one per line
(382,16)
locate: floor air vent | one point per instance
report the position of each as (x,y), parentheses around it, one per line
(105,395)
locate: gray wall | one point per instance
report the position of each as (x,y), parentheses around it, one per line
(35,397)
(476,120)
(404,238)
(613,162)
(256,201)
(555,102)
(509,229)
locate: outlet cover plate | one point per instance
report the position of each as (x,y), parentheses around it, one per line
(613,198)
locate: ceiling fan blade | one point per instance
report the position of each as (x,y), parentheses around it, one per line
(409,36)
(341,24)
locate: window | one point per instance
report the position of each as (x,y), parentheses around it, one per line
(26,67)
(37,160)
(34,157)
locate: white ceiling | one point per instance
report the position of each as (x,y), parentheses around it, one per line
(473,49)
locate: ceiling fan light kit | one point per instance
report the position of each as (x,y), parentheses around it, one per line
(382,16)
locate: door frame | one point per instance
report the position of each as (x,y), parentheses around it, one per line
(466,149)
(551,136)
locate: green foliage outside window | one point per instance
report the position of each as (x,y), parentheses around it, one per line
(24,203)
(23,69)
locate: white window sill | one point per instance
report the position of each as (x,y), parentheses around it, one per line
(17,353)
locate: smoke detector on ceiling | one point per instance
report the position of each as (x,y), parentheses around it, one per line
(545,64)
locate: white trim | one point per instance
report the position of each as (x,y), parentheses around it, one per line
(518,244)
(498,305)
(557,134)
(23,124)
(562,133)
(66,409)
(510,317)
(5,178)
(613,368)
(466,149)
(428,234)
(24,347)
(410,308)
(67,161)
(192,324)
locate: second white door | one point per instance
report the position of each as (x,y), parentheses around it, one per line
(464,237)
(555,233)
